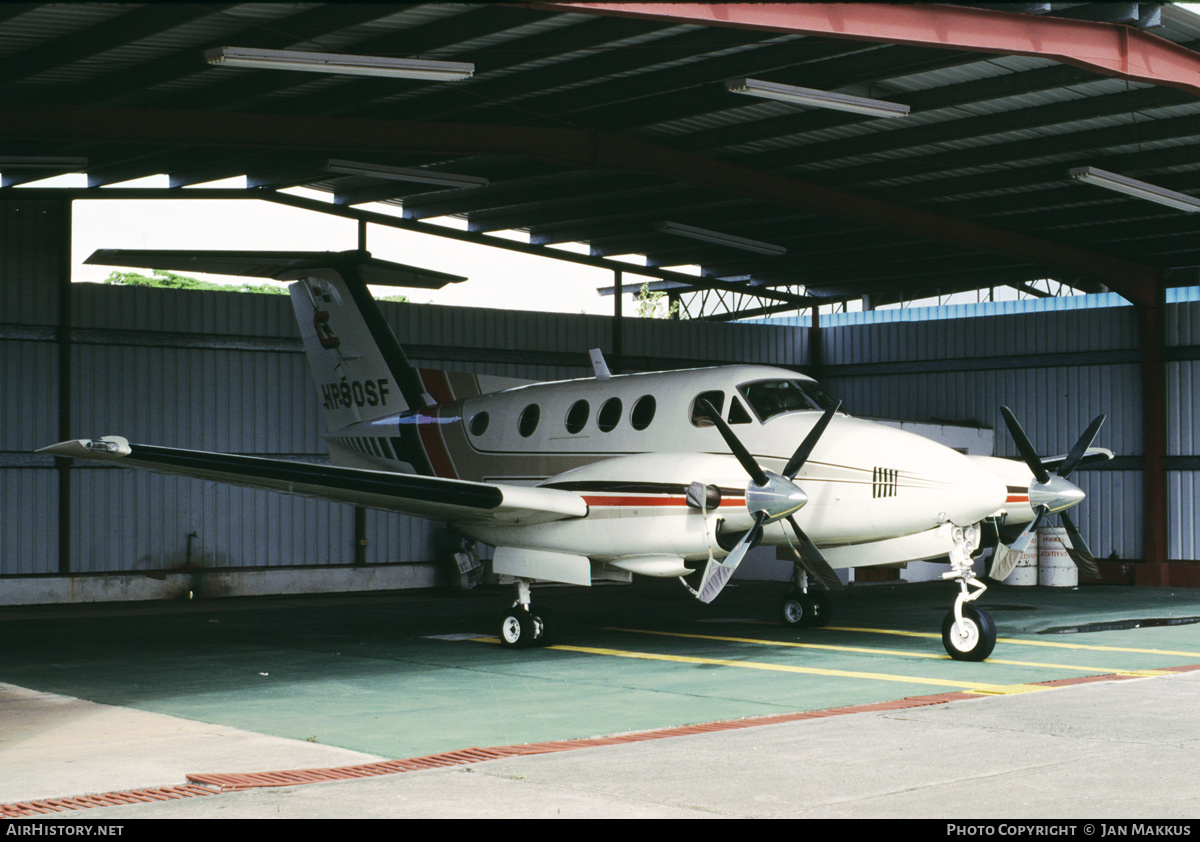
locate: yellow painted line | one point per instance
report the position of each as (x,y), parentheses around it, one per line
(974,686)
(1017,642)
(901,653)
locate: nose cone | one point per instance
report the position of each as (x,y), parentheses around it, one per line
(779,498)
(1056,495)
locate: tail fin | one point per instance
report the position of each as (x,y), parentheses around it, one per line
(361,373)
(359,368)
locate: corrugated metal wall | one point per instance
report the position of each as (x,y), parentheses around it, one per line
(1057,371)
(1183,430)
(32,235)
(221,371)
(226,372)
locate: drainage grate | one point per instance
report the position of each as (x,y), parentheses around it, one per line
(106,799)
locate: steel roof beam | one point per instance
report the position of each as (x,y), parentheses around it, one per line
(970,128)
(638,98)
(1104,48)
(225,194)
(867,65)
(127,26)
(522,91)
(282,32)
(577,147)
(238,90)
(945,96)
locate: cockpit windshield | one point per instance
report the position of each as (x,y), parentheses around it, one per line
(773,397)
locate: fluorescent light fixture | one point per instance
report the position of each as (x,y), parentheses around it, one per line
(446,179)
(404,68)
(1137,189)
(720,239)
(41,162)
(818,99)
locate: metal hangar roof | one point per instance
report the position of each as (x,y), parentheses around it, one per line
(622,126)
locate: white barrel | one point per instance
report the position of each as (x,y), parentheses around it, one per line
(1055,568)
(1025,574)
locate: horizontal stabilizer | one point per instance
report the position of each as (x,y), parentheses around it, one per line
(281,265)
(1090,457)
(458,501)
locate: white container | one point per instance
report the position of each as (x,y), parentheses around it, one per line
(1055,568)
(1025,574)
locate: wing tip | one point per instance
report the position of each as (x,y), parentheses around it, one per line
(111,447)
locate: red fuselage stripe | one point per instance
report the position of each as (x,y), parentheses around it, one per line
(437,384)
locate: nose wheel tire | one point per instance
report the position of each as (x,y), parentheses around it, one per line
(973,639)
(520,629)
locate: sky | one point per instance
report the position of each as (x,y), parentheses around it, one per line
(495,276)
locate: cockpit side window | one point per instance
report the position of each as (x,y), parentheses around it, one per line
(716,399)
(738,413)
(773,397)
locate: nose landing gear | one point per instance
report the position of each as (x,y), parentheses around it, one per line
(968,632)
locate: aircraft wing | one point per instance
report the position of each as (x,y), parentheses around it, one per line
(457,501)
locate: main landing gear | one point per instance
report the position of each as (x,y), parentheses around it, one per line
(805,608)
(520,627)
(968,632)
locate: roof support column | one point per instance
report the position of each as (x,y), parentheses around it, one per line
(62,340)
(816,347)
(1154,441)
(616,364)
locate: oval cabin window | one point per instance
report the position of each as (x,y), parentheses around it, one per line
(528,421)
(609,415)
(479,424)
(577,416)
(643,412)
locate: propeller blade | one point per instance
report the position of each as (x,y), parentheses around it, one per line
(717,574)
(810,441)
(1085,441)
(812,560)
(1025,446)
(736,447)
(1078,551)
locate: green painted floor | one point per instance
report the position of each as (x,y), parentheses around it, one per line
(415,673)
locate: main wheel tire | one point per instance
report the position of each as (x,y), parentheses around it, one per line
(798,610)
(974,640)
(823,609)
(519,629)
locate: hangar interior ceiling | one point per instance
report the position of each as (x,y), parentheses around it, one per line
(614,126)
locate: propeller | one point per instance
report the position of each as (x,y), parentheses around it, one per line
(769,497)
(1049,494)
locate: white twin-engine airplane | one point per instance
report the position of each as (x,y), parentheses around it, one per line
(656,474)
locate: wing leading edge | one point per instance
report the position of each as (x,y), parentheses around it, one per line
(453,500)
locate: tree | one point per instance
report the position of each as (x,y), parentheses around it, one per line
(655,305)
(169,280)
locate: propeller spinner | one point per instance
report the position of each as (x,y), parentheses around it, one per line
(769,497)
(1049,494)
